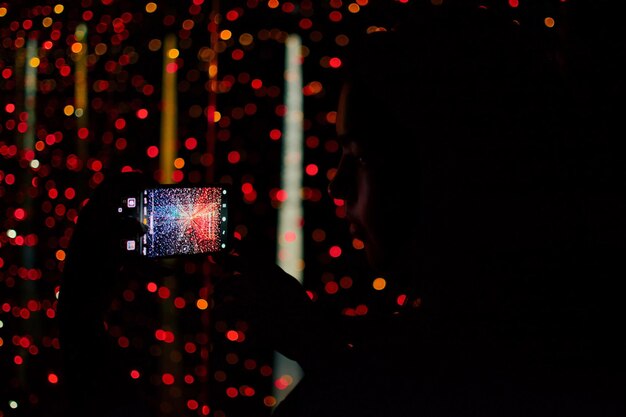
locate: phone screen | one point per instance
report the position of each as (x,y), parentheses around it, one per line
(180,220)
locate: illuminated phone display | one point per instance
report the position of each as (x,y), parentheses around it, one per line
(183,220)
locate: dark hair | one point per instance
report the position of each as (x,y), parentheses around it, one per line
(478,108)
(462,72)
(474,104)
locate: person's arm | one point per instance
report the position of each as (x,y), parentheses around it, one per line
(95,381)
(279,313)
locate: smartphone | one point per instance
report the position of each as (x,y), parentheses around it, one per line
(180,220)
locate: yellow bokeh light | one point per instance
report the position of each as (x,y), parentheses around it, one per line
(217,116)
(212,70)
(154,45)
(60,255)
(101,49)
(316,86)
(272,4)
(226,34)
(202,304)
(246,39)
(68,110)
(372,29)
(173,53)
(151,7)
(269,401)
(220,46)
(379,283)
(77,47)
(206,54)
(354,8)
(46,22)
(342,40)
(549,22)
(357,244)
(3,11)
(179,163)
(58,9)
(34,62)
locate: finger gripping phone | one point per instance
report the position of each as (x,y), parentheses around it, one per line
(179,220)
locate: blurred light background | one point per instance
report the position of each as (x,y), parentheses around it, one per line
(190,91)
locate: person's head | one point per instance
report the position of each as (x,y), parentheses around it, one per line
(439,119)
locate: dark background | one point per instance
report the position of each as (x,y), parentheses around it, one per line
(39,205)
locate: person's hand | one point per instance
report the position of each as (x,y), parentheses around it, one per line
(96,255)
(100,227)
(249,286)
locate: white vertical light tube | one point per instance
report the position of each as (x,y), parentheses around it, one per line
(30,92)
(290,252)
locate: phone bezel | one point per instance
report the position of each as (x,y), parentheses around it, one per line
(138,213)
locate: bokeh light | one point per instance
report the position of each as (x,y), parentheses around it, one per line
(59,139)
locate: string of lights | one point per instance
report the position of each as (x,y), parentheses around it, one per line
(190,91)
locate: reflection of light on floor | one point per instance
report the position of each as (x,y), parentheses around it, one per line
(287,372)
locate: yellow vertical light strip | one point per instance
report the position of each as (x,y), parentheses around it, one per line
(290,251)
(79,50)
(169,110)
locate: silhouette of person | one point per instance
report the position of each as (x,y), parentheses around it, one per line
(97,270)
(467,172)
